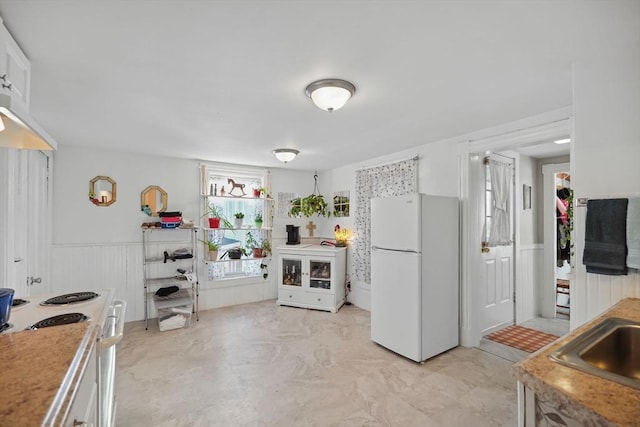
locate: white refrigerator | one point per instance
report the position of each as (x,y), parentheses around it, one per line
(415,274)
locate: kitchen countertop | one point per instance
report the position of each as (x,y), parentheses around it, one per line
(588,399)
(41,371)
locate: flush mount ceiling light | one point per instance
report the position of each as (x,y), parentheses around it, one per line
(330,94)
(285,155)
(563,141)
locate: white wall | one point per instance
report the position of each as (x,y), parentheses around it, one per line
(101,247)
(527,219)
(437,174)
(605,155)
(77,221)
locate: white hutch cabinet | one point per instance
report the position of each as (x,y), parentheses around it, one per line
(312,276)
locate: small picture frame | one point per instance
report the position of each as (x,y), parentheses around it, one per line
(526,196)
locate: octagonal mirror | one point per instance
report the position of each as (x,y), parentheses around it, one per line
(102,191)
(153,200)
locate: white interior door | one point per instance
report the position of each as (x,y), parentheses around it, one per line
(494,267)
(24,221)
(38,230)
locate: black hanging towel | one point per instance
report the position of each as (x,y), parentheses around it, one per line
(605,237)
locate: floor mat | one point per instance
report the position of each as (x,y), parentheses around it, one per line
(522,338)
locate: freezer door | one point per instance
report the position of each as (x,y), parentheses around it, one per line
(395,302)
(395,222)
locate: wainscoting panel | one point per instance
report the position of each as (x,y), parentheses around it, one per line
(529,271)
(119,266)
(604,291)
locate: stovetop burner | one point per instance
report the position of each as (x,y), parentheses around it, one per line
(72,298)
(6,327)
(17,302)
(62,319)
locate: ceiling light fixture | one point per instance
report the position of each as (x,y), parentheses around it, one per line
(563,141)
(285,155)
(330,94)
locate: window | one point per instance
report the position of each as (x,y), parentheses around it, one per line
(488,202)
(240,199)
(341,203)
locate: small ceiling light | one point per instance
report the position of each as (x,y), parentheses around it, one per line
(285,155)
(330,94)
(563,141)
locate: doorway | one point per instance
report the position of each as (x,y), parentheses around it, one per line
(555,289)
(528,270)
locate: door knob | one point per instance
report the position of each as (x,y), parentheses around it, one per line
(485,248)
(33,280)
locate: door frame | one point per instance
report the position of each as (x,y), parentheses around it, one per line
(548,294)
(470,334)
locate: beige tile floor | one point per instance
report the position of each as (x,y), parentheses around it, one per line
(263,365)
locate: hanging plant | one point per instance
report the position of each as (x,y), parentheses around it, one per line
(313,204)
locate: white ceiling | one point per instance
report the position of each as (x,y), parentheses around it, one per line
(225,80)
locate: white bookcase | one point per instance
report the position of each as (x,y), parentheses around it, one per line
(311,276)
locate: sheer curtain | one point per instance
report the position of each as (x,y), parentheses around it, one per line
(501,176)
(382,181)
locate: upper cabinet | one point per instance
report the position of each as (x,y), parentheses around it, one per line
(15,69)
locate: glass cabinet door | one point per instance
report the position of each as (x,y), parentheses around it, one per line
(291,272)
(319,274)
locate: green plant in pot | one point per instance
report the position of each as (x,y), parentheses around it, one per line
(239,219)
(215,217)
(258,220)
(313,204)
(212,247)
(254,245)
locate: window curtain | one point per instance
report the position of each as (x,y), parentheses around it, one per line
(501,176)
(382,181)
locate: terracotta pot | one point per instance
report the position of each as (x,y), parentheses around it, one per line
(257,253)
(214,222)
(213,255)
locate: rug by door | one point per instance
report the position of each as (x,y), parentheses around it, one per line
(522,338)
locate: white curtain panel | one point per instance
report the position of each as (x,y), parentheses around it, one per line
(382,181)
(501,176)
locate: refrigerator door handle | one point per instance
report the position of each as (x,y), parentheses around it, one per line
(378,248)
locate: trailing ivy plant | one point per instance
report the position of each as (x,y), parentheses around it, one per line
(313,204)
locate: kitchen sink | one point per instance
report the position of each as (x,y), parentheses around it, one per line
(610,350)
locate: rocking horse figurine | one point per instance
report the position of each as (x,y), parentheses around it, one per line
(234,186)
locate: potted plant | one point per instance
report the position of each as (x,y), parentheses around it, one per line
(239,218)
(212,247)
(258,220)
(266,247)
(308,206)
(252,244)
(215,217)
(260,192)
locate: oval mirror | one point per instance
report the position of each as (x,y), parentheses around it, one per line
(102,191)
(153,200)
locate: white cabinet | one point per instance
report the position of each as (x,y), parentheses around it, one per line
(170,259)
(15,69)
(312,277)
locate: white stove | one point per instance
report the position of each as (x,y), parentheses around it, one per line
(27,315)
(98,307)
